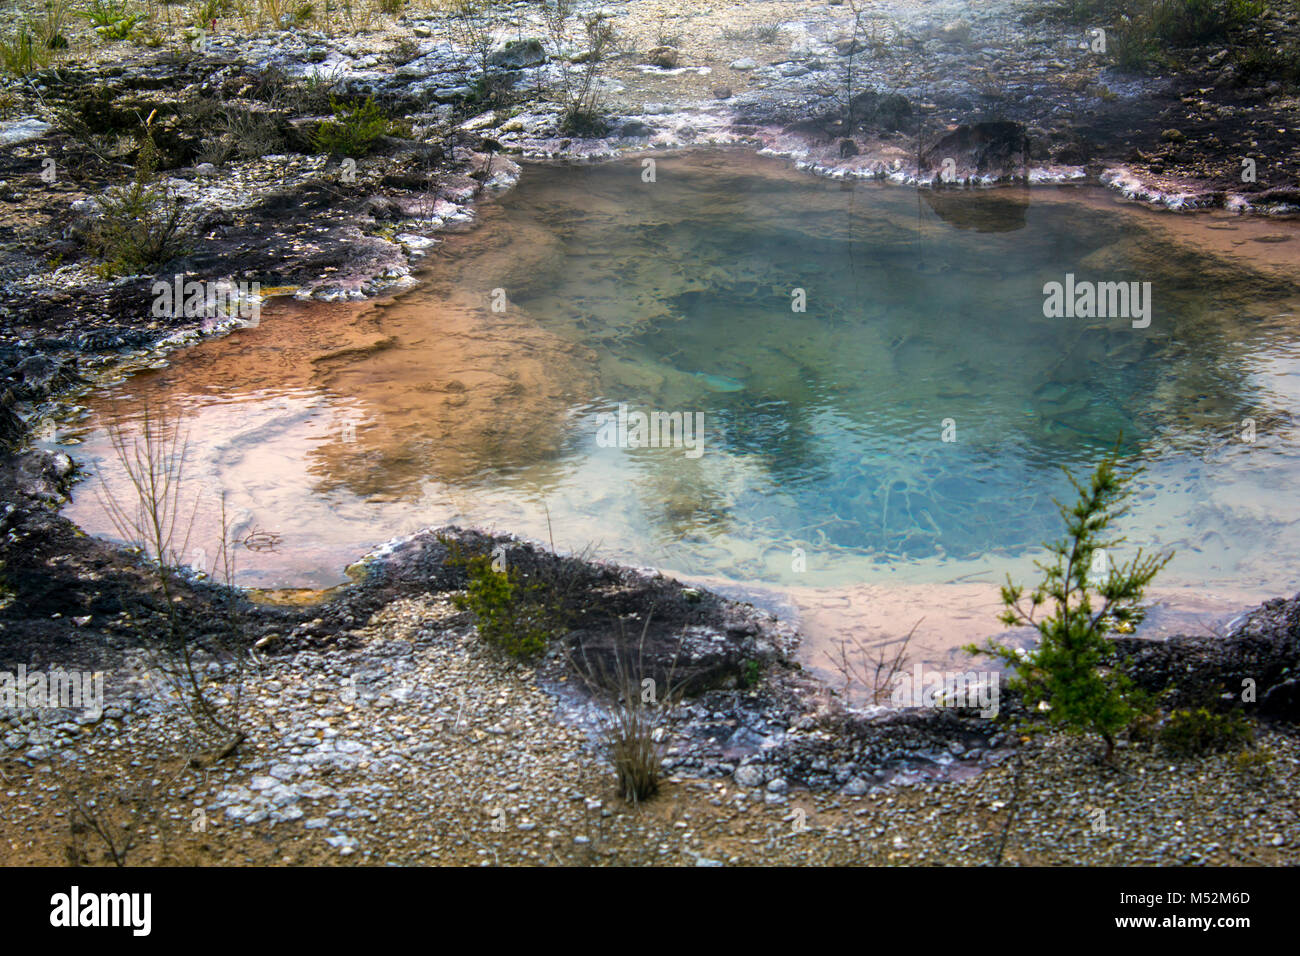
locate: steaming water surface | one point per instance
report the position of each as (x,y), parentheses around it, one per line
(823,465)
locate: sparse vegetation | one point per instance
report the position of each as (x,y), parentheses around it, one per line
(1069,675)
(1195,732)
(471,24)
(1141,33)
(579,87)
(761,33)
(633,713)
(354,130)
(114,820)
(22,53)
(6,592)
(506,616)
(873,671)
(1260,64)
(153,517)
(243,133)
(1257,765)
(142,225)
(52,28)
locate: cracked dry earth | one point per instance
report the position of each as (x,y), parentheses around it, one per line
(414,747)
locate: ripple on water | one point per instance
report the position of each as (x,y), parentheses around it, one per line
(832,335)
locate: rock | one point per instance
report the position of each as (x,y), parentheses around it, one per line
(1173,136)
(285,814)
(998,148)
(777,786)
(855,787)
(744,64)
(20,131)
(1282,700)
(958,31)
(635,129)
(42,372)
(1261,650)
(748,775)
(722,92)
(518,55)
(663,56)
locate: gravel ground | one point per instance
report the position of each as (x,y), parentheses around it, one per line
(414,746)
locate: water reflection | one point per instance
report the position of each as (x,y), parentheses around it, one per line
(1000,210)
(340,426)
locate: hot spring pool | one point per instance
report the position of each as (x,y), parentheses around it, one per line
(907,428)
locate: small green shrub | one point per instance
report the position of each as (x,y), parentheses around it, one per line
(141,225)
(1191,733)
(111,20)
(1134,48)
(506,617)
(354,129)
(1068,675)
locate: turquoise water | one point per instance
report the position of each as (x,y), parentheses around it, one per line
(823,458)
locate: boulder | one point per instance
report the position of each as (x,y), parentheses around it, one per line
(998,148)
(518,55)
(663,56)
